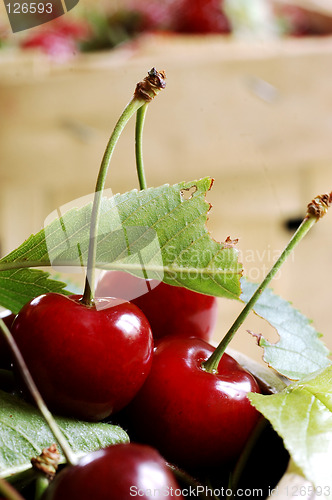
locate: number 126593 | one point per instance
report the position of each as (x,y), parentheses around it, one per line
(29,8)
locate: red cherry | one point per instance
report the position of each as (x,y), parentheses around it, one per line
(171,310)
(118,472)
(201,16)
(195,419)
(87,362)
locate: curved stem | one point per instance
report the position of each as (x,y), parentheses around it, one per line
(145,91)
(68,453)
(140,118)
(42,484)
(131,108)
(211,365)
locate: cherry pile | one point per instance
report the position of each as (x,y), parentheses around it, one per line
(143,360)
(91,362)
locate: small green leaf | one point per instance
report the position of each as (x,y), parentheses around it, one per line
(24,433)
(302,416)
(299,352)
(158,231)
(18,286)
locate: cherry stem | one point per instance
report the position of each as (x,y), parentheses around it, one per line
(8,491)
(316,209)
(131,108)
(68,453)
(140,118)
(145,91)
(42,484)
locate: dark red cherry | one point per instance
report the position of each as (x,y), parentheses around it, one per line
(171,310)
(201,16)
(196,419)
(119,472)
(87,362)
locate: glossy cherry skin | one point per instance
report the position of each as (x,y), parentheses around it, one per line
(87,362)
(194,418)
(119,472)
(171,310)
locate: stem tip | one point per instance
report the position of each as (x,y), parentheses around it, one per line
(149,87)
(47,462)
(318,207)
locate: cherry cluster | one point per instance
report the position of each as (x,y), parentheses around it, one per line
(142,361)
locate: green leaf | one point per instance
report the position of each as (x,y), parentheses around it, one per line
(302,416)
(300,351)
(159,232)
(18,286)
(24,433)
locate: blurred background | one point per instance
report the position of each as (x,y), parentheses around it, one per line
(248,102)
